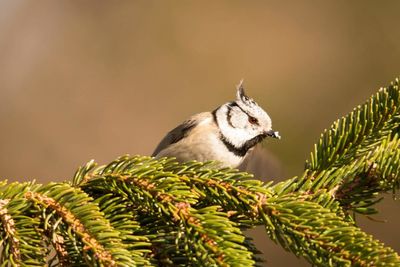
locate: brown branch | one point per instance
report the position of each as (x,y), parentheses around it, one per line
(295,229)
(180,210)
(91,243)
(9,227)
(58,244)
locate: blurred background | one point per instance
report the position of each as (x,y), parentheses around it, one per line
(99,79)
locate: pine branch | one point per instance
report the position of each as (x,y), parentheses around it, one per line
(344,159)
(167,199)
(20,232)
(297,222)
(312,231)
(376,172)
(99,242)
(139,211)
(302,219)
(364,128)
(114,210)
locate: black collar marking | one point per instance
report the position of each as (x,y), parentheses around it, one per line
(242,151)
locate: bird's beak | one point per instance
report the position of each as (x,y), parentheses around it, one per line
(273,134)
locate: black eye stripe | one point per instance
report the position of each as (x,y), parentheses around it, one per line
(229,116)
(252,120)
(234,104)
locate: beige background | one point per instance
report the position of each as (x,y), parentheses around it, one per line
(98,79)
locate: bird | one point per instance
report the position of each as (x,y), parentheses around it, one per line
(225,135)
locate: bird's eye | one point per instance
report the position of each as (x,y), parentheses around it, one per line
(253,120)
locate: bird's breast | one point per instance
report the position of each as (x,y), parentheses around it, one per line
(203,144)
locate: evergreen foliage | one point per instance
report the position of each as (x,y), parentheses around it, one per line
(139,211)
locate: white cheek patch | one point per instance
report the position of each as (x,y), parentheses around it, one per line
(235,136)
(238,120)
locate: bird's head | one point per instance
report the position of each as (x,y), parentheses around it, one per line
(243,123)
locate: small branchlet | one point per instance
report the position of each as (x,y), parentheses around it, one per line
(91,242)
(8,225)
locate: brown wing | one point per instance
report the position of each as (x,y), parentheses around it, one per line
(175,135)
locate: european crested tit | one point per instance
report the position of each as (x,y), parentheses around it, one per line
(226,134)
